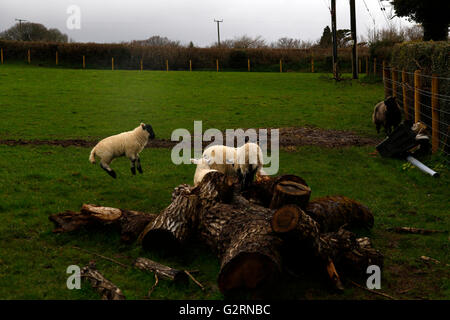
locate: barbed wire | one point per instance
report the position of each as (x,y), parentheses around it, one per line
(422,92)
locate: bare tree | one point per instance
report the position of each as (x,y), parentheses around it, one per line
(33,32)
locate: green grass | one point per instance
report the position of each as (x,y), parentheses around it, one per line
(36,181)
(51,103)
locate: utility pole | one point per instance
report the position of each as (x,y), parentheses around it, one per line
(218,30)
(353,29)
(333,27)
(20,27)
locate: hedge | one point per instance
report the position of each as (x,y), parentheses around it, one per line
(431,58)
(128,56)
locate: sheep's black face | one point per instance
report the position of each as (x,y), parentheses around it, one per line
(149,129)
(391,103)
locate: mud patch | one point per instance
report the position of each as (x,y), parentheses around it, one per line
(290,138)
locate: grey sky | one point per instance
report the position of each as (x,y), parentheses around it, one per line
(124,20)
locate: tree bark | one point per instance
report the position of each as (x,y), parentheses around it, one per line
(107,289)
(333,212)
(290,192)
(130,223)
(161,270)
(175,225)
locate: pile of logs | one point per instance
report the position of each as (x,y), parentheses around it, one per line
(256,233)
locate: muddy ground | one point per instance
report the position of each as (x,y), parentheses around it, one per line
(289,139)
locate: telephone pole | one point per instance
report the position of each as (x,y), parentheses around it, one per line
(218,30)
(333,27)
(353,31)
(20,27)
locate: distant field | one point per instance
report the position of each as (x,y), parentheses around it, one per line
(36,181)
(49,103)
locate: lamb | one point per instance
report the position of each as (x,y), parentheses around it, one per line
(203,167)
(249,162)
(388,114)
(128,144)
(222,158)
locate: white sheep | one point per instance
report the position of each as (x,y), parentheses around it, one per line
(243,162)
(128,144)
(249,160)
(222,158)
(202,169)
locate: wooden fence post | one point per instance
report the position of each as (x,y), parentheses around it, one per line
(312,64)
(374,66)
(404,94)
(281,66)
(359,65)
(29,56)
(385,74)
(417,87)
(394,82)
(56,58)
(1,53)
(367,65)
(84,62)
(217,65)
(434,113)
(190,65)
(112,63)
(248,65)
(167,65)
(142,65)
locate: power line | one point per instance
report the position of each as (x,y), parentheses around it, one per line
(383,10)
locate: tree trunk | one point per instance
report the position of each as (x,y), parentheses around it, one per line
(130,223)
(174,226)
(247,248)
(290,192)
(336,211)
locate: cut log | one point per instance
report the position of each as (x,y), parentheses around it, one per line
(130,223)
(247,248)
(107,289)
(163,272)
(300,231)
(333,212)
(174,226)
(352,255)
(290,192)
(262,189)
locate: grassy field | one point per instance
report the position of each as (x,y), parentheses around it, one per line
(36,181)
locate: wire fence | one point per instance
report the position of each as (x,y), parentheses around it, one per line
(419,96)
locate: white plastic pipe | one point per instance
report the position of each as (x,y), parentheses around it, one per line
(421,166)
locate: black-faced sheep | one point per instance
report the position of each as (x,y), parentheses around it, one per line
(388,114)
(128,144)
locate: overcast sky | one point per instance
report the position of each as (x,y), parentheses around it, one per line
(192,20)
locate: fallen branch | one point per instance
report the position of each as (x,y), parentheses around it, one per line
(415,230)
(129,222)
(100,256)
(163,271)
(154,286)
(373,291)
(107,289)
(193,279)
